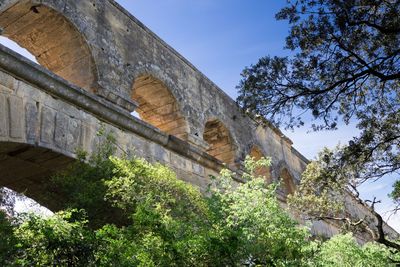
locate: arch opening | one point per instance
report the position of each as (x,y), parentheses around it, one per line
(263,171)
(220,142)
(55,43)
(27,168)
(287,184)
(158,107)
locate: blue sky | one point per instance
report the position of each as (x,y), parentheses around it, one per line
(218,37)
(221,37)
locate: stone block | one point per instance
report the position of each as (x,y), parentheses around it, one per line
(3,116)
(88,134)
(7,81)
(160,154)
(16,118)
(31,118)
(61,128)
(136,144)
(73,136)
(47,125)
(197,169)
(179,162)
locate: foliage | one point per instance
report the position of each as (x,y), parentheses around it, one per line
(61,240)
(175,225)
(323,188)
(257,230)
(343,250)
(7,240)
(170,223)
(396,193)
(168,216)
(345,65)
(328,192)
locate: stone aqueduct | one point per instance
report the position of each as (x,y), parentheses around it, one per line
(98,64)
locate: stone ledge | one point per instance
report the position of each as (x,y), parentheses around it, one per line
(115,98)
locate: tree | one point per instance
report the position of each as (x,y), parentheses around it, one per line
(343,250)
(346,65)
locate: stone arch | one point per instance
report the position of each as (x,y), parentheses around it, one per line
(158,107)
(219,139)
(257,154)
(54,41)
(287,183)
(26,168)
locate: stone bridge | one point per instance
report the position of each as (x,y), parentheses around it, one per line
(98,64)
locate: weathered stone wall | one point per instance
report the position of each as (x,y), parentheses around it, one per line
(36,121)
(113,64)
